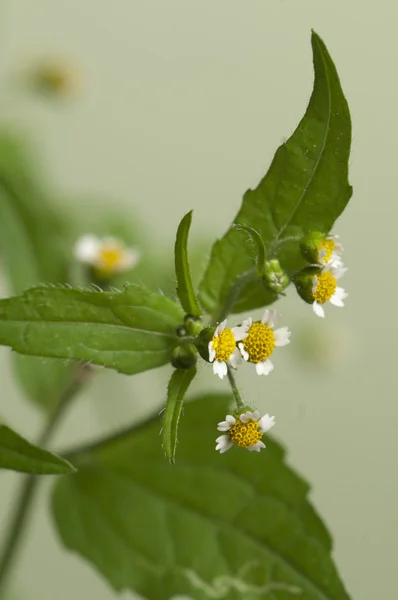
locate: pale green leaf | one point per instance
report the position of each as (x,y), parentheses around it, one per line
(306,189)
(237,526)
(130,331)
(18,454)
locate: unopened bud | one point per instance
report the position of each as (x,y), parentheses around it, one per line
(304,282)
(202,342)
(184,357)
(310,246)
(275,277)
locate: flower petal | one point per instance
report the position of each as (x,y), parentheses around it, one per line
(220,368)
(235,358)
(338,297)
(224,443)
(87,248)
(257,447)
(265,317)
(246,417)
(227,424)
(265,423)
(212,352)
(240,333)
(282,336)
(243,352)
(318,309)
(265,367)
(131,257)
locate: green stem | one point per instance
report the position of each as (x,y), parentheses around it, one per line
(24,502)
(238,398)
(241,281)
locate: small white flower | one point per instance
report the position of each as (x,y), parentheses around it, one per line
(222,348)
(325,289)
(261,341)
(330,252)
(245,430)
(108,256)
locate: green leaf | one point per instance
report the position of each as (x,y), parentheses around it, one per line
(19,455)
(236,526)
(130,331)
(185,289)
(259,242)
(177,388)
(32,252)
(305,189)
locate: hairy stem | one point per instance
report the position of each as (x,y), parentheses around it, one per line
(29,484)
(236,288)
(238,398)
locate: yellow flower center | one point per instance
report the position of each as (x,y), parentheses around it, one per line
(328,247)
(109,258)
(259,343)
(224,344)
(325,287)
(245,435)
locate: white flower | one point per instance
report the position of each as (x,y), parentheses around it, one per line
(245,430)
(222,348)
(108,256)
(330,252)
(261,340)
(325,289)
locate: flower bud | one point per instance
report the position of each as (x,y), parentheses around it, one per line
(310,246)
(193,325)
(184,357)
(202,342)
(275,277)
(304,283)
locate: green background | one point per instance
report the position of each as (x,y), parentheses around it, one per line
(182,105)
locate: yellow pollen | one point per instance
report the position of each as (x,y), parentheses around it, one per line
(325,287)
(224,345)
(245,435)
(328,247)
(109,258)
(259,343)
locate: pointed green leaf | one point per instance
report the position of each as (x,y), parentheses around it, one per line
(32,252)
(237,526)
(18,454)
(177,388)
(130,331)
(306,188)
(185,289)
(259,242)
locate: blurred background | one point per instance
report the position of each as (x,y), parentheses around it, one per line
(163,106)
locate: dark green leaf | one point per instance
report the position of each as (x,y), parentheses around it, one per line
(19,455)
(178,385)
(32,253)
(306,188)
(185,289)
(130,331)
(237,526)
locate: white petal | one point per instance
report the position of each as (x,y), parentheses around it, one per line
(87,248)
(318,309)
(247,323)
(224,443)
(220,368)
(243,351)
(314,284)
(240,333)
(265,367)
(339,271)
(227,424)
(235,358)
(338,297)
(282,336)
(230,419)
(130,259)
(221,326)
(265,317)
(272,318)
(257,447)
(256,415)
(246,417)
(212,352)
(265,423)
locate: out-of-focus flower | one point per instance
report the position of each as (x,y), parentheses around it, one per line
(108,256)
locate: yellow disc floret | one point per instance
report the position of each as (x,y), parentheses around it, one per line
(245,435)
(224,345)
(259,343)
(109,259)
(325,287)
(328,247)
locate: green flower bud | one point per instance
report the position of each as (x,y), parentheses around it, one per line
(194,325)
(275,277)
(181,331)
(202,342)
(184,357)
(310,246)
(304,282)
